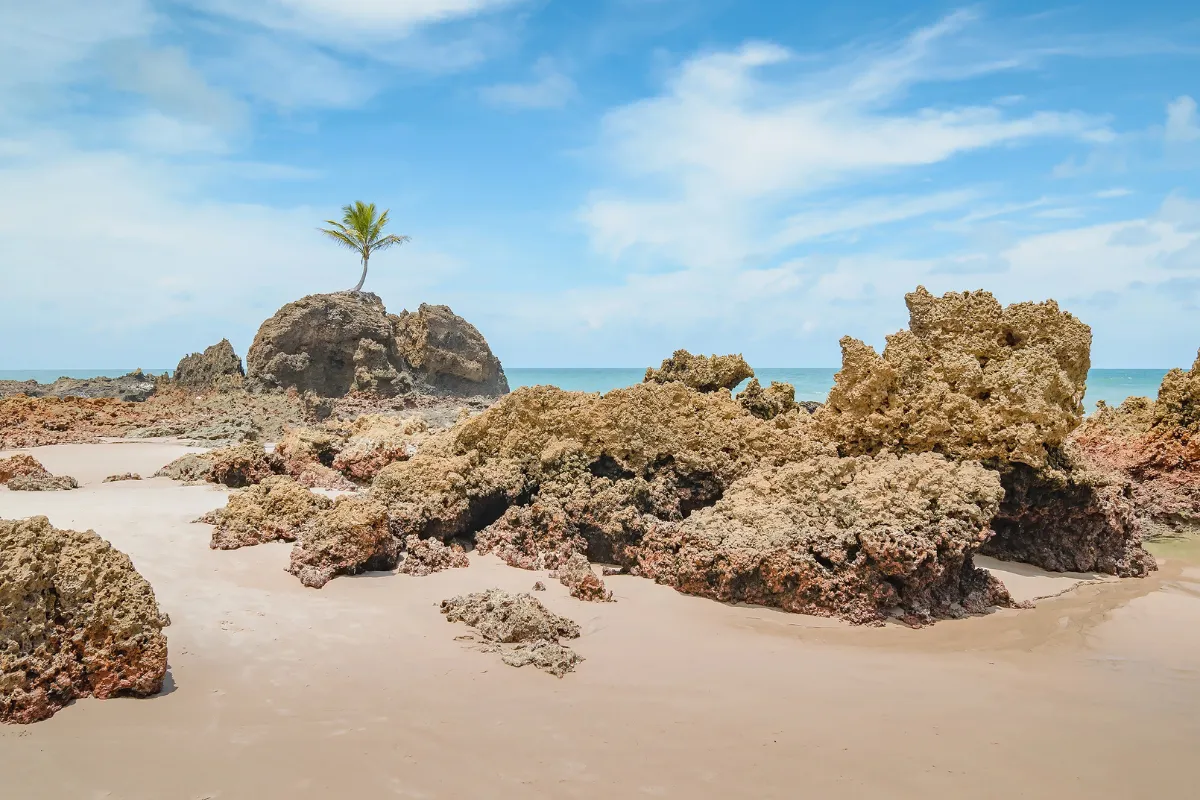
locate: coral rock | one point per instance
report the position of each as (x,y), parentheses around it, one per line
(20,464)
(347,538)
(376,441)
(778,398)
(242,465)
(448,353)
(202,371)
(273,510)
(577,575)
(702,373)
(124,476)
(189,468)
(42,483)
(969,379)
(427,556)
(519,627)
(78,621)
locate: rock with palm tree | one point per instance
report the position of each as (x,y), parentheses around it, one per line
(361,230)
(334,344)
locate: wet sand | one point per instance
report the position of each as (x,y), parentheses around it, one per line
(360,689)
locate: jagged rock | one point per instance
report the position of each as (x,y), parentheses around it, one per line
(78,621)
(427,556)
(202,371)
(333,344)
(189,468)
(1067,517)
(702,373)
(242,465)
(538,586)
(124,476)
(377,440)
(24,473)
(969,379)
(860,538)
(1156,444)
(519,627)
(42,483)
(273,510)
(778,398)
(577,575)
(20,464)
(310,451)
(134,386)
(347,538)
(449,353)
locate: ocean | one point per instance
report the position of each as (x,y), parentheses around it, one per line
(812,383)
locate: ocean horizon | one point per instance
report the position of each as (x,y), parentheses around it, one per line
(812,383)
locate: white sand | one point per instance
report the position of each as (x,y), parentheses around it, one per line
(360,690)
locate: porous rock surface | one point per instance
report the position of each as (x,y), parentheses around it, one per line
(348,538)
(242,465)
(519,627)
(969,379)
(134,386)
(581,580)
(862,538)
(333,344)
(202,371)
(124,476)
(778,398)
(76,619)
(375,440)
(273,510)
(427,556)
(19,464)
(702,373)
(189,468)
(24,473)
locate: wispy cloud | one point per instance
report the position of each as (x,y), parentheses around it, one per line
(550,88)
(1183,124)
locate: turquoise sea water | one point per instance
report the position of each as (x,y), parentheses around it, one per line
(812,383)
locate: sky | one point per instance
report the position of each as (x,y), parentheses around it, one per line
(596,183)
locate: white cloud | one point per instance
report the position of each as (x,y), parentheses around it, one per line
(169,82)
(551,88)
(712,164)
(1183,125)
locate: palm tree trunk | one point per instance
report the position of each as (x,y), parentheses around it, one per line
(363,279)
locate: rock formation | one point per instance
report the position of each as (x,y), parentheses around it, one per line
(202,371)
(273,510)
(24,473)
(332,344)
(189,468)
(347,538)
(78,621)
(519,627)
(427,556)
(124,476)
(702,373)
(134,386)
(581,580)
(778,398)
(376,441)
(242,465)
(975,381)
(1156,444)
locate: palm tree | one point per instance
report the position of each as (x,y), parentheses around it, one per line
(362,231)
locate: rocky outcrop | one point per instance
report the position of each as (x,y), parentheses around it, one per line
(1068,517)
(333,344)
(24,473)
(242,465)
(78,621)
(1156,445)
(969,379)
(519,627)
(581,580)
(702,373)
(778,398)
(202,371)
(427,556)
(448,353)
(861,538)
(348,538)
(273,510)
(375,441)
(189,468)
(124,476)
(135,386)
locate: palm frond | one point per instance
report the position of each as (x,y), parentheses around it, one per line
(389,241)
(342,238)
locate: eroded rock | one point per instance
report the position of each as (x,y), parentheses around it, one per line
(377,440)
(242,465)
(778,398)
(24,473)
(519,627)
(448,353)
(78,620)
(348,538)
(202,371)
(273,510)
(124,476)
(702,373)
(189,468)
(427,556)
(579,577)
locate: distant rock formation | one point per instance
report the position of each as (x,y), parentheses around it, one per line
(201,371)
(702,373)
(778,398)
(24,473)
(78,621)
(134,386)
(333,344)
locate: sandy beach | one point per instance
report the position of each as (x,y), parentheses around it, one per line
(362,690)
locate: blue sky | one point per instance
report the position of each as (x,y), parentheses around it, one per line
(596,183)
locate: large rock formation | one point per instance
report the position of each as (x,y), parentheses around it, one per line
(332,344)
(702,373)
(969,379)
(76,619)
(202,371)
(975,381)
